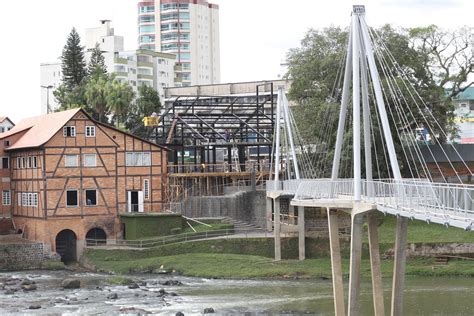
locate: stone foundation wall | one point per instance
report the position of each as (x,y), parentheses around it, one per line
(23,256)
(246,206)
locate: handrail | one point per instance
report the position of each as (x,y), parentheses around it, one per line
(171,239)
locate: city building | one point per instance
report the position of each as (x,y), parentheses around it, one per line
(187,28)
(140,67)
(5,124)
(67,178)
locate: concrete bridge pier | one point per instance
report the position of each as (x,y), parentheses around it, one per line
(269,214)
(374,249)
(301,240)
(398,284)
(355,262)
(336,262)
(277,228)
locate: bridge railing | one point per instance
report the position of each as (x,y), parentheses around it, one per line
(325,189)
(285,186)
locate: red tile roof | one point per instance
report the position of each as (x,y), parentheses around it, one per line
(39,129)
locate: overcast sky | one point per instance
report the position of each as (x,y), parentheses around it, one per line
(255,34)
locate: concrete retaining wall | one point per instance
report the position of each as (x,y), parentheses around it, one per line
(243,206)
(436,249)
(23,256)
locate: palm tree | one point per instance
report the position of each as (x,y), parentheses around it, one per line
(96,96)
(119,96)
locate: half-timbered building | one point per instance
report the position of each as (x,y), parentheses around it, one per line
(70,177)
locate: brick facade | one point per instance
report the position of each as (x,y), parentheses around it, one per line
(41,177)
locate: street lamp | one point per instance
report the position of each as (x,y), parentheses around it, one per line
(48,108)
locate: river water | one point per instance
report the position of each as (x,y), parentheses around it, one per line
(423,296)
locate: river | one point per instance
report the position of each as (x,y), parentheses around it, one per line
(423,295)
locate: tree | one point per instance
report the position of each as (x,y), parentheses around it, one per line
(96,96)
(147,103)
(448,55)
(119,95)
(96,67)
(70,98)
(73,64)
(316,69)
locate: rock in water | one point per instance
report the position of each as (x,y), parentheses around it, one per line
(28,287)
(26,282)
(179,314)
(133,286)
(112,296)
(34,306)
(209,310)
(71,283)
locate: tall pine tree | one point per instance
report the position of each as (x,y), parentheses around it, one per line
(73,63)
(96,67)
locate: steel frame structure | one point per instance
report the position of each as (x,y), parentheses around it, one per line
(201,124)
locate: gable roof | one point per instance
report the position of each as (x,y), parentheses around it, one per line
(39,129)
(467,94)
(3,118)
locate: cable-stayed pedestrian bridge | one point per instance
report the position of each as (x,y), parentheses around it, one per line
(417,199)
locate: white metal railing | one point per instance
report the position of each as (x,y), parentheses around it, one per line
(416,196)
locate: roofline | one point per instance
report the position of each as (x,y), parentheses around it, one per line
(16,132)
(7,118)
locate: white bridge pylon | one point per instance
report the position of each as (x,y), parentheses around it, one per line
(414,198)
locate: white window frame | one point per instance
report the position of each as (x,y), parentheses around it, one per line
(8,159)
(146,189)
(90,131)
(73,131)
(35,162)
(18,163)
(77,199)
(66,164)
(85,164)
(138,159)
(6,197)
(29,162)
(85,194)
(28,199)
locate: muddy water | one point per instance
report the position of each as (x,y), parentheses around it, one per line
(424,296)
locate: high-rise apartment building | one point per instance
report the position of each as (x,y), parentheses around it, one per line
(187,28)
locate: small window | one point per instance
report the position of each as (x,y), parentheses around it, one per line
(6,143)
(90,131)
(18,163)
(5,162)
(71,198)
(6,198)
(23,162)
(24,199)
(70,161)
(89,160)
(91,197)
(29,162)
(146,189)
(35,162)
(69,131)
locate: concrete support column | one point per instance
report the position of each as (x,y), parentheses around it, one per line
(399,266)
(276,229)
(336,263)
(301,233)
(269,214)
(354,268)
(377,288)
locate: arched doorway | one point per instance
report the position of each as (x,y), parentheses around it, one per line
(96,236)
(66,245)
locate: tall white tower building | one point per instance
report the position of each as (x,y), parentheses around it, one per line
(187,28)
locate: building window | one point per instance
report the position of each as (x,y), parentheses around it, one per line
(28,199)
(89,160)
(18,163)
(29,164)
(23,162)
(91,197)
(6,143)
(70,161)
(6,198)
(146,189)
(35,162)
(71,198)
(69,131)
(138,159)
(90,131)
(5,162)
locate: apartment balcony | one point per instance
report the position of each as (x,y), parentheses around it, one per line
(121,74)
(145,64)
(121,60)
(146,77)
(178,67)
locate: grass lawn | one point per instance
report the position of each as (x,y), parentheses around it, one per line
(247,267)
(421,232)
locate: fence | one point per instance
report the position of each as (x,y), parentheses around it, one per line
(173,239)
